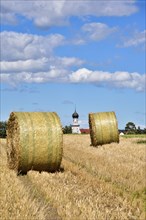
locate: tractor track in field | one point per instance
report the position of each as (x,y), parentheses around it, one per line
(40,198)
(22,184)
(75,186)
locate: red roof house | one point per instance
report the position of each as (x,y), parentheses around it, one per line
(85,131)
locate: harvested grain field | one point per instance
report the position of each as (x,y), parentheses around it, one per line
(102,183)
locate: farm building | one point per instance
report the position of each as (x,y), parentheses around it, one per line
(85,131)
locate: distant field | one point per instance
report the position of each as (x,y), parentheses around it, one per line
(135,136)
(104,183)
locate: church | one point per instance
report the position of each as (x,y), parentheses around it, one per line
(75,126)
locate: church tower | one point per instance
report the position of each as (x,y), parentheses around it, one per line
(75,125)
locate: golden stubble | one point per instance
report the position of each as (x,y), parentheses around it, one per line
(122,164)
(19,201)
(94,183)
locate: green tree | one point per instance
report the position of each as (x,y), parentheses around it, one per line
(3,128)
(139,130)
(130,128)
(67,129)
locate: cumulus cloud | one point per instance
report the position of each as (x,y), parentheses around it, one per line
(26,53)
(20,46)
(48,13)
(117,79)
(29,58)
(41,64)
(53,75)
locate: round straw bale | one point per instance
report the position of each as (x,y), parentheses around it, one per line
(34,141)
(103,128)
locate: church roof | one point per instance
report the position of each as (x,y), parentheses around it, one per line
(75,114)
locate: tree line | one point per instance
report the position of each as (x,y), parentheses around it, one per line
(130,128)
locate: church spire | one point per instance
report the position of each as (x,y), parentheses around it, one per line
(75,125)
(75,114)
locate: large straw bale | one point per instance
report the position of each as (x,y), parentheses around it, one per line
(34,141)
(103,128)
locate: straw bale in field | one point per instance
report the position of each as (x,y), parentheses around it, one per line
(103,128)
(34,141)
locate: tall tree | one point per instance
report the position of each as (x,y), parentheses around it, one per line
(130,128)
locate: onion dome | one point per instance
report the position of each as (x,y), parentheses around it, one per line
(75,114)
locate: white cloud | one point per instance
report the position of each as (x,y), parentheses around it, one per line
(139,39)
(8,18)
(69,61)
(29,52)
(41,64)
(24,65)
(134,81)
(93,31)
(97,31)
(29,58)
(19,46)
(48,13)
(53,75)
(117,79)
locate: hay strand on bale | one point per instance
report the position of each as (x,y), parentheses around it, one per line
(34,141)
(103,128)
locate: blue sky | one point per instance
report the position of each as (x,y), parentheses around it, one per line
(58,54)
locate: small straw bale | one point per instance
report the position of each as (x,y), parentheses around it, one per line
(34,141)
(103,128)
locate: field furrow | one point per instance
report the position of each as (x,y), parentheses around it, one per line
(78,195)
(122,164)
(19,198)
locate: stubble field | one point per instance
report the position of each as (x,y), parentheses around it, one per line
(104,183)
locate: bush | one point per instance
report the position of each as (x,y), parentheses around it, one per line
(3,128)
(67,130)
